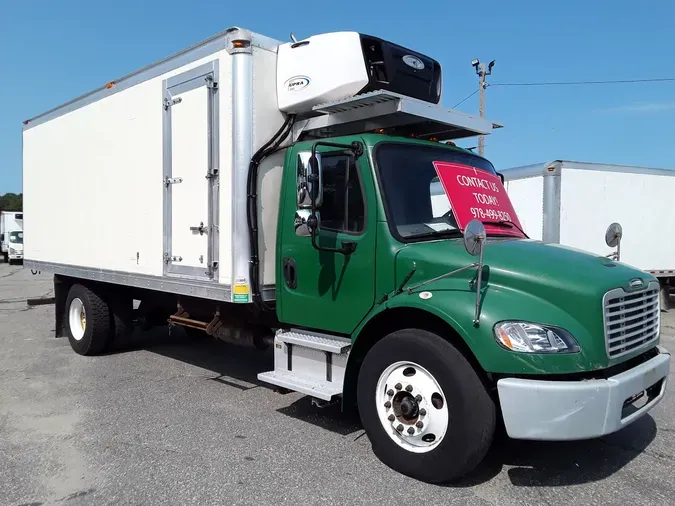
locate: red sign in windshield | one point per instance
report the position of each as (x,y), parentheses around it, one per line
(476,194)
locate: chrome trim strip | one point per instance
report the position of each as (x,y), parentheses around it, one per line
(179,286)
(242,152)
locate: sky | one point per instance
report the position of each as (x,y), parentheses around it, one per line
(54,50)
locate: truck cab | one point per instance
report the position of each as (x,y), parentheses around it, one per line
(558,343)
(15,246)
(11,236)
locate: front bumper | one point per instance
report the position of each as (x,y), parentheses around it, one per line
(570,410)
(15,256)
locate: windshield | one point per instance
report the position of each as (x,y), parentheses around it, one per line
(16,237)
(416,201)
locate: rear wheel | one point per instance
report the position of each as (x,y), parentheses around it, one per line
(87,321)
(424,408)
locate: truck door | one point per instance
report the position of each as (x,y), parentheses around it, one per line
(326,290)
(190,134)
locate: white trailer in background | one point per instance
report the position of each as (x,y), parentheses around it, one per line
(11,235)
(573,203)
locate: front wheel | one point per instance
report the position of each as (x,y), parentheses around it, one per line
(424,407)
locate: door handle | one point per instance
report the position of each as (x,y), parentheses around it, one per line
(201,229)
(290,273)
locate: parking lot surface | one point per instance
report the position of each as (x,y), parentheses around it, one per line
(169,420)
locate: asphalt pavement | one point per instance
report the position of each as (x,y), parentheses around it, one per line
(173,421)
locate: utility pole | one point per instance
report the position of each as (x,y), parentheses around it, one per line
(482,73)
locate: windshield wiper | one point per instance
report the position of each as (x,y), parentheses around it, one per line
(508,222)
(435,233)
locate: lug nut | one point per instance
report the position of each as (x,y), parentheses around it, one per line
(387,404)
(409,388)
(411,431)
(392,418)
(399,428)
(419,425)
(390,392)
(423,412)
(418,398)
(398,386)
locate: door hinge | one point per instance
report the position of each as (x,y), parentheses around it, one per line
(172,180)
(213,173)
(214,266)
(211,84)
(168,102)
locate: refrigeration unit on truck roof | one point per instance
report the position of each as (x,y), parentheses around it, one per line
(333,66)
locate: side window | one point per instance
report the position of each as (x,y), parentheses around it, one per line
(343,208)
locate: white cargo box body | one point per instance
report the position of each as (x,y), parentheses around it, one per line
(573,203)
(148,174)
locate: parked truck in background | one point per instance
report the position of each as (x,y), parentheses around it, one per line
(280,194)
(11,236)
(573,203)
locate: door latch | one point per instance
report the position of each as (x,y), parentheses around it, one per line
(168,102)
(172,180)
(201,229)
(168,258)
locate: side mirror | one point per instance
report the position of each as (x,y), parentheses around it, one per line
(303,223)
(474,242)
(474,237)
(613,239)
(501,176)
(309,180)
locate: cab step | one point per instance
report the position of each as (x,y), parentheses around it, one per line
(321,390)
(315,341)
(308,362)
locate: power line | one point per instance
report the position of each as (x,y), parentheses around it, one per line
(579,83)
(465,99)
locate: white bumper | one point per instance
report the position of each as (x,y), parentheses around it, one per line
(569,410)
(15,255)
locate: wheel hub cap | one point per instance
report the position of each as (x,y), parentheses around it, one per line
(411,407)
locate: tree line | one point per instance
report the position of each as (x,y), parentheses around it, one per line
(11,202)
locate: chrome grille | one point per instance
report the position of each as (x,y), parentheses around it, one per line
(631,319)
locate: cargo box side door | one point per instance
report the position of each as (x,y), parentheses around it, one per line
(190,139)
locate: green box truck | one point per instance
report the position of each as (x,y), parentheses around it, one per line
(285,195)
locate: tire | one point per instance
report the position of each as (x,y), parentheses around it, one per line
(467,410)
(87,321)
(5,257)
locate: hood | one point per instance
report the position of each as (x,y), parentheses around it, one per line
(524,264)
(526,280)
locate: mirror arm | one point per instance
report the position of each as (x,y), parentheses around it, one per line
(442,276)
(479,285)
(355,147)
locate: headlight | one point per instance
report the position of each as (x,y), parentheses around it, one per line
(526,337)
(12,251)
